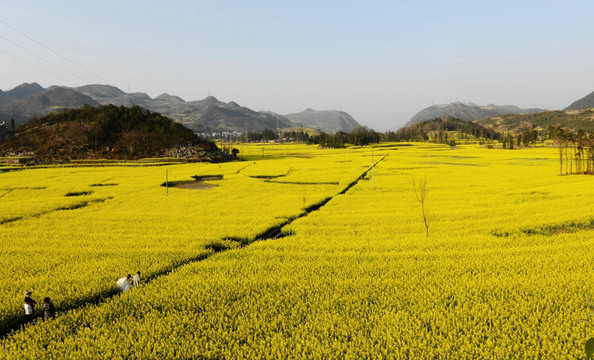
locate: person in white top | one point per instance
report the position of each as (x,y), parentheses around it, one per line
(29,306)
(124,283)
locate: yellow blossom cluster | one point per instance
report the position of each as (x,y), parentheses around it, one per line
(503,274)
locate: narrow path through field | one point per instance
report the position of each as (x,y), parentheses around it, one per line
(16,322)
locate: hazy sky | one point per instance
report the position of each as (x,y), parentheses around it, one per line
(380,61)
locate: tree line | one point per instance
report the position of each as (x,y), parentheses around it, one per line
(359,136)
(438,131)
(576,151)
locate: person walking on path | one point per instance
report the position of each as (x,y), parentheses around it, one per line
(29,306)
(49,310)
(136,279)
(124,283)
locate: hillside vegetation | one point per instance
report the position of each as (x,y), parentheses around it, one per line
(107,132)
(573,119)
(437,130)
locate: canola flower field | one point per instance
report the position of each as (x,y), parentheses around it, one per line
(504,273)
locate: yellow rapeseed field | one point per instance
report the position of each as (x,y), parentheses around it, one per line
(504,273)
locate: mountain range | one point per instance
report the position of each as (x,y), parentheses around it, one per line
(207,115)
(467,112)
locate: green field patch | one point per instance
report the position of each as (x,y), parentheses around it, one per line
(77,205)
(392,146)
(267,177)
(207,177)
(190,185)
(10,219)
(567,227)
(105,184)
(78,193)
(196,184)
(450,163)
(24,188)
(531,159)
(222,245)
(550,230)
(304,182)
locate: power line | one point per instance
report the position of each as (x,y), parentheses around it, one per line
(37,67)
(66,33)
(54,52)
(82,30)
(44,59)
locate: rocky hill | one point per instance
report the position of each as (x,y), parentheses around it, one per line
(586,102)
(206,115)
(329,121)
(467,112)
(24,89)
(39,103)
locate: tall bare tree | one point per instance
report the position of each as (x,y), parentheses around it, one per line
(420,188)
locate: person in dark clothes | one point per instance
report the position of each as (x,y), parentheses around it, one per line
(49,310)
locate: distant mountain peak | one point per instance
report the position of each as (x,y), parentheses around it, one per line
(584,103)
(168,97)
(98,91)
(24,89)
(466,111)
(329,121)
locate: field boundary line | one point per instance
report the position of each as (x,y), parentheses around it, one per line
(16,323)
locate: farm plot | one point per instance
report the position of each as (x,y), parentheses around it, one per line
(503,274)
(74,231)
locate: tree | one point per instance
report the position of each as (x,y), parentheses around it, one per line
(560,139)
(12,124)
(420,188)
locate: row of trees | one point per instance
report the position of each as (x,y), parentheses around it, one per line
(359,136)
(527,137)
(436,130)
(576,151)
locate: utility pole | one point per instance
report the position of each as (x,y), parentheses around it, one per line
(278,130)
(304,200)
(372,170)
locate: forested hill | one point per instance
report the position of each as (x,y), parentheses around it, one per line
(439,128)
(572,119)
(107,132)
